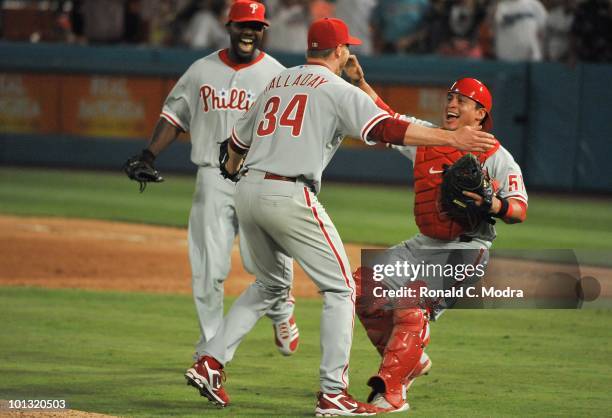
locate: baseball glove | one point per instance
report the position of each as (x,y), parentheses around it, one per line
(223,157)
(466,174)
(140,168)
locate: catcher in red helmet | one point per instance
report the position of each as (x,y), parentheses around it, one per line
(399,329)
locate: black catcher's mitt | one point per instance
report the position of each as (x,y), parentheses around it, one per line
(466,174)
(140,168)
(223,157)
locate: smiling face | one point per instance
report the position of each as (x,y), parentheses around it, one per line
(245,39)
(461,111)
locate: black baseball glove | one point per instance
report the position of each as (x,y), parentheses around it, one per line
(140,168)
(223,157)
(466,174)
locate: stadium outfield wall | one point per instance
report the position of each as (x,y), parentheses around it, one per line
(91,107)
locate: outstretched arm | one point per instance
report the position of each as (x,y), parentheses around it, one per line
(399,132)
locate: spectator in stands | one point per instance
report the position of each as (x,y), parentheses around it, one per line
(136,27)
(103,20)
(398,25)
(322,8)
(592,31)
(436,22)
(357,15)
(206,28)
(558,28)
(160,16)
(519,27)
(464,18)
(288,30)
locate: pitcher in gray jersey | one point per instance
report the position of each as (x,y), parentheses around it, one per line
(291,133)
(398,329)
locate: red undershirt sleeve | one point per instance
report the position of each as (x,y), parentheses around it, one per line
(390,131)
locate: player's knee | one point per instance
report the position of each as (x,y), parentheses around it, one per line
(412,319)
(271,291)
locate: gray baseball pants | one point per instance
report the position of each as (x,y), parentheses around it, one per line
(213,226)
(283,221)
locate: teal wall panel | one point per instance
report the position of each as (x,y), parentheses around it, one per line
(593,166)
(552,135)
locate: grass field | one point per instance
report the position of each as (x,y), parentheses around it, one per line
(124,354)
(364,214)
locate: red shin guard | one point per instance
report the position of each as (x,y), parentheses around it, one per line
(401,355)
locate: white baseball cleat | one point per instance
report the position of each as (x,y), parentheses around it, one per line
(342,404)
(382,403)
(286,336)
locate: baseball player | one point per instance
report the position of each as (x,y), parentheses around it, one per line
(291,133)
(400,334)
(206,101)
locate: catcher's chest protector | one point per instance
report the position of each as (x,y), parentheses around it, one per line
(429,164)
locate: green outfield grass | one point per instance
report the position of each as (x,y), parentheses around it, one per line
(364,214)
(124,354)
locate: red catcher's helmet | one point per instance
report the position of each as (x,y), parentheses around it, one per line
(477,91)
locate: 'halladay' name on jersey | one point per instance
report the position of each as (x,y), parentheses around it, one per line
(291,80)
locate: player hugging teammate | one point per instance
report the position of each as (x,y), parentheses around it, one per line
(291,132)
(455,228)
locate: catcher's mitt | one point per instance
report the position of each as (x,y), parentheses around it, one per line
(466,174)
(140,168)
(223,157)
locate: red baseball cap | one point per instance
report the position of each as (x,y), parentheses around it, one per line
(477,91)
(328,33)
(247,11)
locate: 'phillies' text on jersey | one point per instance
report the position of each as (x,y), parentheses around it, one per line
(232,99)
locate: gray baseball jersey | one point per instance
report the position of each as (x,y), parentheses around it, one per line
(286,136)
(206,101)
(293,130)
(211,95)
(501,167)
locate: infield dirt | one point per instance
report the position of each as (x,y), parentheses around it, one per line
(90,254)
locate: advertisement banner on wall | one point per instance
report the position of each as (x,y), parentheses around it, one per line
(29,103)
(115,107)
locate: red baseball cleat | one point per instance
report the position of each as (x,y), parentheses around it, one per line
(342,404)
(207,376)
(286,336)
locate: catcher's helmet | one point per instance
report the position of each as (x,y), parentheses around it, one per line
(477,91)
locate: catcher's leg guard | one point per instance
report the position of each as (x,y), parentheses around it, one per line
(377,321)
(422,368)
(401,355)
